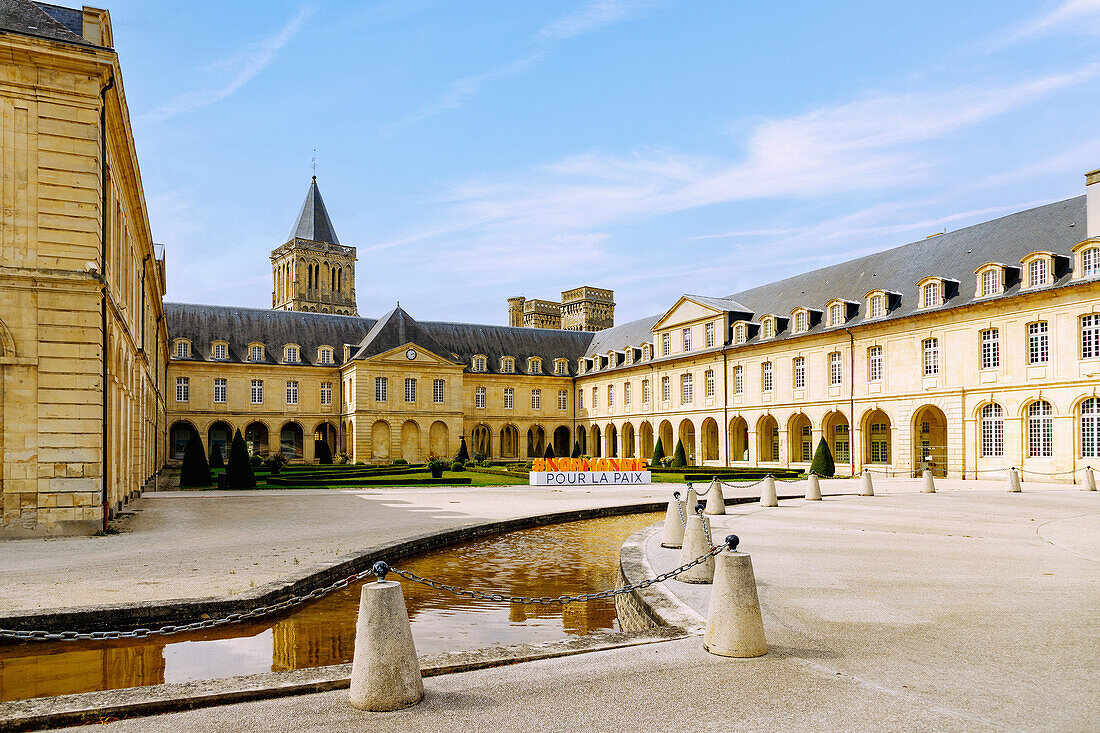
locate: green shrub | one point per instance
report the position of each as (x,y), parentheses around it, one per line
(399,462)
(256,460)
(322,452)
(195,471)
(576,450)
(478,458)
(216,458)
(458,466)
(822,464)
(679,457)
(549,452)
(437,466)
(463,454)
(238,472)
(658,453)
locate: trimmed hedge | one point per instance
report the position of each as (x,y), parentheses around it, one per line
(290,483)
(492,472)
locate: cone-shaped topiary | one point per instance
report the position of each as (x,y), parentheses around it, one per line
(822,464)
(216,457)
(576,450)
(238,472)
(658,454)
(463,454)
(195,471)
(679,457)
(549,452)
(322,452)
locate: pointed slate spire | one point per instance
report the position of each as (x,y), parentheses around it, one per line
(313,222)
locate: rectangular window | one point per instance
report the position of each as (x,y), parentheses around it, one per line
(437,391)
(769,327)
(645,391)
(807,444)
(687,339)
(611,395)
(766,377)
(799,372)
(738,380)
(561,367)
(292,354)
(710,382)
(841,444)
(991,348)
(666,389)
(686,391)
(257,391)
(876,306)
(1040,431)
(255,353)
(874,363)
(626,393)
(508,366)
(479,398)
(595,398)
(536,399)
(836,314)
(836,368)
(800,322)
(880,443)
(326,356)
(931,295)
(509,398)
(563,400)
(292,393)
(183,349)
(989,282)
(326,393)
(479,363)
(709,332)
(183,389)
(666,344)
(931,349)
(221,351)
(410,389)
(1090,262)
(381,389)
(1037,272)
(219,390)
(1090,336)
(580,399)
(1038,347)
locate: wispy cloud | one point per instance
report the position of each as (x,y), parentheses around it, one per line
(242,67)
(1076,15)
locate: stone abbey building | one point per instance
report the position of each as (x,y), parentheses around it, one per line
(968,352)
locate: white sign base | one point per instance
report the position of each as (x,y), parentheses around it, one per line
(589,478)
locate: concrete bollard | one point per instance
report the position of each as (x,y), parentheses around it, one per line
(692,499)
(716,500)
(813,488)
(672,534)
(866,488)
(1090,479)
(767,496)
(385,672)
(734,624)
(1014,481)
(695,544)
(929,483)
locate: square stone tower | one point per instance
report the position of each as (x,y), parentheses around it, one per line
(587,309)
(313,271)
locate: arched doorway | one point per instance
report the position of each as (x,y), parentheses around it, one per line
(256,439)
(349,440)
(929,433)
(612,441)
(410,441)
(834,429)
(582,439)
(562,447)
(536,441)
(482,441)
(800,439)
(646,440)
(597,442)
(380,440)
(326,432)
(509,442)
(290,440)
(439,439)
(710,439)
(876,438)
(739,439)
(178,437)
(767,439)
(664,434)
(218,437)
(687,436)
(629,446)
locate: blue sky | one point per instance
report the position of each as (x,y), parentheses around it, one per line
(476,150)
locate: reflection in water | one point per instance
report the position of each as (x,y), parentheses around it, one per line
(563,559)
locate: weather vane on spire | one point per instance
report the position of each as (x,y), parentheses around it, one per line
(313,164)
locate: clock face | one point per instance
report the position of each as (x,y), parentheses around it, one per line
(410,354)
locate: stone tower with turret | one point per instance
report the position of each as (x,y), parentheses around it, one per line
(312,271)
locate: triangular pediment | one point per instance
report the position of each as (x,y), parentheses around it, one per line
(692,308)
(411,354)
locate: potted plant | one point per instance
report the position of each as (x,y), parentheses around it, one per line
(436,465)
(275,463)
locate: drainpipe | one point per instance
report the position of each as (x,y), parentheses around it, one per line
(725,406)
(103,280)
(851,398)
(156,405)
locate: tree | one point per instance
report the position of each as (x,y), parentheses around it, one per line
(322,452)
(463,454)
(549,452)
(216,457)
(195,471)
(238,472)
(658,453)
(679,457)
(576,450)
(822,464)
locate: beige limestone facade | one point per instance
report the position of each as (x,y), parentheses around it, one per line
(584,308)
(83,342)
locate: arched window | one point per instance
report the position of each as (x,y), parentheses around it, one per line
(1090,428)
(1040,430)
(993,430)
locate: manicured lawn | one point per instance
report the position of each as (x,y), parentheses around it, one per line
(408,480)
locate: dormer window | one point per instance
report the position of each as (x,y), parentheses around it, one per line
(534,365)
(561,366)
(582,366)
(769,328)
(645,352)
(292,354)
(255,352)
(629,354)
(990,280)
(324,355)
(479,364)
(1037,273)
(507,365)
(876,306)
(183,349)
(1087,262)
(219,350)
(596,363)
(931,292)
(801,321)
(836,314)
(739,333)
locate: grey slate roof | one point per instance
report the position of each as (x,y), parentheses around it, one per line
(617,338)
(313,222)
(466,340)
(42,20)
(722,304)
(204,324)
(398,328)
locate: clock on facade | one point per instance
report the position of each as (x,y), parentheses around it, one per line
(410,354)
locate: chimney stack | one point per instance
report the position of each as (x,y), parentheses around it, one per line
(1092,204)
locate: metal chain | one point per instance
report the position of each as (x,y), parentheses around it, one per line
(680,508)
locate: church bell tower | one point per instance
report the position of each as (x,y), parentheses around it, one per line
(312,271)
